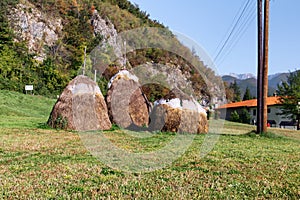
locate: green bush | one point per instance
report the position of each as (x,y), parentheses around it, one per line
(235,117)
(245,116)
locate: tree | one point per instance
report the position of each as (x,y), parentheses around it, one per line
(245,116)
(236,91)
(235,117)
(289,92)
(229,93)
(247,95)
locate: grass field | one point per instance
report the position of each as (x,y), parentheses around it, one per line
(40,163)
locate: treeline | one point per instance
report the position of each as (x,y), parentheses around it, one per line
(233,93)
(136,11)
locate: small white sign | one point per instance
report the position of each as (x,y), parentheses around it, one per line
(28,87)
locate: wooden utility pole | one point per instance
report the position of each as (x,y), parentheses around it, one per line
(266,63)
(263,59)
(260,120)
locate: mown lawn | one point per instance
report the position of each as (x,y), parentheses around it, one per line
(40,163)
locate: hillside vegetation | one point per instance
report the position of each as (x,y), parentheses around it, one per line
(64,59)
(39,163)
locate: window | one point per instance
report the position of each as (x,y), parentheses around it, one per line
(254,112)
(269,110)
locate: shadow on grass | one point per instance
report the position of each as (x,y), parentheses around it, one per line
(254,134)
(43,125)
(265,135)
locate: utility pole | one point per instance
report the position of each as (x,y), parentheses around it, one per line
(259,69)
(125,54)
(266,62)
(84,62)
(263,59)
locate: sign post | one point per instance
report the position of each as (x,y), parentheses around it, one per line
(28,88)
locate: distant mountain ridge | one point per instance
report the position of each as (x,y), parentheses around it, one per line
(250,81)
(242,76)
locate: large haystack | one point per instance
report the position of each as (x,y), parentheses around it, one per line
(125,101)
(81,107)
(177,115)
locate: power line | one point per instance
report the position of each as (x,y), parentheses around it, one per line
(239,25)
(230,28)
(231,47)
(242,30)
(238,34)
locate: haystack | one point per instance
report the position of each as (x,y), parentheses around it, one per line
(126,103)
(183,115)
(81,107)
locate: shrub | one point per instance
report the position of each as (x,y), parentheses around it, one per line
(245,116)
(235,117)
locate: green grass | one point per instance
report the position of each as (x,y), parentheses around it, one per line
(37,163)
(23,111)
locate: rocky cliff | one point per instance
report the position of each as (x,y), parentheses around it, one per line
(106,29)
(38,29)
(41,30)
(57,33)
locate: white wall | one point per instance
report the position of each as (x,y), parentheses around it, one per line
(272,114)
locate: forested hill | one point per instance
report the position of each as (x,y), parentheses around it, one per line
(42,42)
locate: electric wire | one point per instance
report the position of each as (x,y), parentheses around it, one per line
(230,28)
(238,34)
(246,15)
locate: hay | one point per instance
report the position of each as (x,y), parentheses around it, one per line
(167,119)
(81,107)
(138,109)
(126,103)
(178,112)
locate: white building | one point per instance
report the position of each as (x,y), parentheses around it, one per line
(274,107)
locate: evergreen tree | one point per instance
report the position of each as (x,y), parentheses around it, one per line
(289,92)
(245,116)
(247,95)
(235,117)
(236,91)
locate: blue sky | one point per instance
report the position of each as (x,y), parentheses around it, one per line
(207,22)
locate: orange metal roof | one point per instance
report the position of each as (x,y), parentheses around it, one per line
(251,103)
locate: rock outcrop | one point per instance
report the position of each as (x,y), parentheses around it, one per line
(81,107)
(168,75)
(106,29)
(36,28)
(125,101)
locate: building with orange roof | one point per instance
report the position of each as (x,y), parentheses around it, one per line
(273,104)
